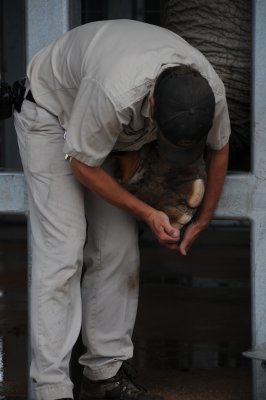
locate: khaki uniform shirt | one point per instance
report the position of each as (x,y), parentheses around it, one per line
(97,80)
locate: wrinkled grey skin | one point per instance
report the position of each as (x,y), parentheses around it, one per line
(221,30)
(159,183)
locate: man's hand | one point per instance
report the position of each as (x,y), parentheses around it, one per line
(217,167)
(165,233)
(192,232)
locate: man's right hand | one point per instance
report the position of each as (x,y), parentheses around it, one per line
(165,233)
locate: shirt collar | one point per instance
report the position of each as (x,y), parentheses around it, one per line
(146,109)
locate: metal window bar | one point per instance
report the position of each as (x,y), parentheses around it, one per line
(244,195)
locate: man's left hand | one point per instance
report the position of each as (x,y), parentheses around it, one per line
(192,232)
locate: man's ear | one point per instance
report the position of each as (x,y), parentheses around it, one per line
(152,104)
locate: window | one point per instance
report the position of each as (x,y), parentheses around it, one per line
(141,10)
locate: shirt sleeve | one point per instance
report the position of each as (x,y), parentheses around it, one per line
(94,125)
(220,131)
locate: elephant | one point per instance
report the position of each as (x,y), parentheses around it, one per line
(221,30)
(156,181)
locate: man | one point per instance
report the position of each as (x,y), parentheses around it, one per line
(106,87)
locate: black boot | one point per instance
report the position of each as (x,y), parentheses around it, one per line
(122,386)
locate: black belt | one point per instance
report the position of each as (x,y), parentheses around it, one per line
(30,97)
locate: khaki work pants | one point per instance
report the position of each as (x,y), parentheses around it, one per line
(68,222)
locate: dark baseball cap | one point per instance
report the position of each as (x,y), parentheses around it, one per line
(184,110)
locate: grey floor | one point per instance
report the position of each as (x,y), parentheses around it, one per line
(193,321)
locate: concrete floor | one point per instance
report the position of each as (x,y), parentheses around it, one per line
(227,384)
(193,321)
